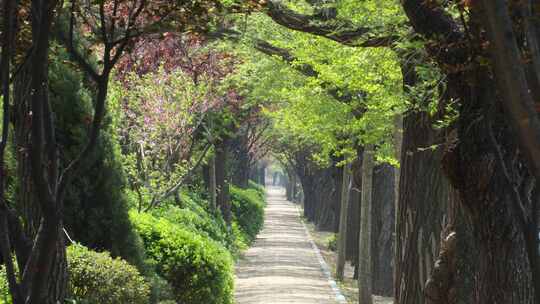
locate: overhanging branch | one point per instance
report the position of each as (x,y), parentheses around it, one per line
(339,30)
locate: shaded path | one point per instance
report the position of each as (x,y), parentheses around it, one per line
(282,266)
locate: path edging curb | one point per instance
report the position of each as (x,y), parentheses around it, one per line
(340,298)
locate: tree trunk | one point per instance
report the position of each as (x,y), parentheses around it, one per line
(222,181)
(398,142)
(482,160)
(290,184)
(294,187)
(342,234)
(262,175)
(353,229)
(27,203)
(479,166)
(383,213)
(364,261)
(326,205)
(422,207)
(240,176)
(517,101)
(212,182)
(336,198)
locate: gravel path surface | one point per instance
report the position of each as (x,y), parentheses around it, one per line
(282,266)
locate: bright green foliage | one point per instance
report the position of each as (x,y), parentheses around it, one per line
(386,17)
(332,242)
(304,109)
(96,278)
(248,211)
(5,298)
(212,227)
(198,269)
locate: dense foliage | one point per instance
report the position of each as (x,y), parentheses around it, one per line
(134,127)
(96,206)
(198,269)
(98,278)
(248,210)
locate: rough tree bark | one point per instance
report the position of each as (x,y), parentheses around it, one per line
(383,213)
(326,206)
(481,157)
(420,210)
(517,101)
(9,9)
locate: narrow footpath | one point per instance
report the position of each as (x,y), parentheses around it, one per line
(282,266)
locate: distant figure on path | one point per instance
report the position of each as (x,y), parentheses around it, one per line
(274,178)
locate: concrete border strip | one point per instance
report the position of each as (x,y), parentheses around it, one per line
(340,298)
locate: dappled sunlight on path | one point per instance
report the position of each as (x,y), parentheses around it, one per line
(282,266)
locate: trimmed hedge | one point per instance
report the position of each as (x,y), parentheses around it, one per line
(96,278)
(259,188)
(195,223)
(198,269)
(248,209)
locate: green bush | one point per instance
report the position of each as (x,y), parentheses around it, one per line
(190,220)
(331,242)
(96,278)
(5,298)
(259,188)
(248,209)
(198,268)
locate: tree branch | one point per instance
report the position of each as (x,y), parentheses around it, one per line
(306,69)
(339,30)
(156,200)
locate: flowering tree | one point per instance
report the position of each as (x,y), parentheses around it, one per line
(171,84)
(162,114)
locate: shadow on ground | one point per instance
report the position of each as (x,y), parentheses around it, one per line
(281,267)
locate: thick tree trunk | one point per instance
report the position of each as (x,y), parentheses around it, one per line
(240,176)
(326,204)
(479,166)
(365,275)
(422,201)
(520,110)
(311,198)
(383,213)
(422,207)
(27,204)
(482,161)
